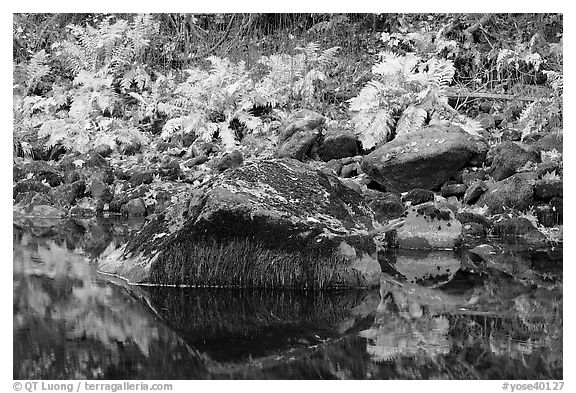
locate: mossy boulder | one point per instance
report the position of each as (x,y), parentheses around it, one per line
(516,191)
(269,223)
(300,135)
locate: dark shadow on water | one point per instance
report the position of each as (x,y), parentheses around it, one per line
(437,315)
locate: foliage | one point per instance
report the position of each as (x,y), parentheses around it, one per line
(407,93)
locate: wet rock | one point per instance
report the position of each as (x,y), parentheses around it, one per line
(162,146)
(418,196)
(456,190)
(230,160)
(38,205)
(67,194)
(548,168)
(547,215)
(350,170)
(519,227)
(427,226)
(300,134)
(426,158)
(516,191)
(86,208)
(473,229)
(558,208)
(547,189)
(474,192)
(509,157)
(386,205)
(71,177)
(250,227)
(338,144)
(134,208)
(125,193)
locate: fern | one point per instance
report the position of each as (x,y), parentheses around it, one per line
(407,92)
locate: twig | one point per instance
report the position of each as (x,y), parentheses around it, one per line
(462,93)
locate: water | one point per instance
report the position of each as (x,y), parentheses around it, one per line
(436,316)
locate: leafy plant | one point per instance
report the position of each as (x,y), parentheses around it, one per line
(406,93)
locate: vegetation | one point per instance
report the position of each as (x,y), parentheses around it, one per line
(87,80)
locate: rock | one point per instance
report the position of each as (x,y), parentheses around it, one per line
(230,160)
(485,106)
(338,144)
(334,167)
(511,134)
(67,194)
(519,227)
(469,217)
(188,139)
(418,196)
(37,205)
(516,191)
(40,171)
(100,191)
(201,148)
(427,226)
(509,157)
(547,216)
(469,176)
(195,161)
(170,170)
(145,177)
(134,208)
(29,185)
(71,177)
(549,142)
(474,192)
(547,189)
(90,160)
(386,205)
(300,134)
(426,158)
(558,208)
(270,223)
(350,170)
(545,168)
(456,190)
(473,229)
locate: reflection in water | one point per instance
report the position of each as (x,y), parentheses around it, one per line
(437,315)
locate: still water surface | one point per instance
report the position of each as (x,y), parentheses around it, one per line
(482,315)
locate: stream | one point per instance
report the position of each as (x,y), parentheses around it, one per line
(495,313)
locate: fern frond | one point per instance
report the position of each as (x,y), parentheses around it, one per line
(413,118)
(372,127)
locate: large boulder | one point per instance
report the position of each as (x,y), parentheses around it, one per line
(516,192)
(270,223)
(425,158)
(300,134)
